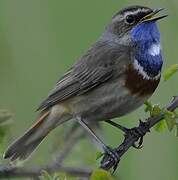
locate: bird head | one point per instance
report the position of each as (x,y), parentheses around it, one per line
(131,18)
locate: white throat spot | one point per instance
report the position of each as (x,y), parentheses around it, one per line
(155,49)
(141,71)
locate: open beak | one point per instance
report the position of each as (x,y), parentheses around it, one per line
(151,16)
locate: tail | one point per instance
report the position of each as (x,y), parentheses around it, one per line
(26,144)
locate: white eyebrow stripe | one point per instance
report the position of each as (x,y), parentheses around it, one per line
(134,12)
(155,49)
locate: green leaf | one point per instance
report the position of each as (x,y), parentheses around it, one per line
(176,114)
(170,123)
(45,176)
(156,110)
(170,72)
(100,174)
(161,126)
(56,176)
(60,176)
(148,107)
(99,155)
(170,118)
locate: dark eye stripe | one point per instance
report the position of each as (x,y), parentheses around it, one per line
(137,16)
(140,15)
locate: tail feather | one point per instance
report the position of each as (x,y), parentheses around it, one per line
(26,144)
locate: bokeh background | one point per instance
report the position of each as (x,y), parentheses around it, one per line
(41,39)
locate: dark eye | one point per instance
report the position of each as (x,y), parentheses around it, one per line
(130,19)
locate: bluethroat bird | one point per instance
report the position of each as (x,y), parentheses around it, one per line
(114,77)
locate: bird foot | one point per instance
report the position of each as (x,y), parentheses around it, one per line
(112,153)
(138,132)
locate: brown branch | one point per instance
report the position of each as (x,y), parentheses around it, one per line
(129,140)
(6,171)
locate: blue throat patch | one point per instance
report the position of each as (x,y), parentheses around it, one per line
(144,36)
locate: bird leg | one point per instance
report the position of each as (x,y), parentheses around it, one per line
(108,150)
(122,128)
(137,132)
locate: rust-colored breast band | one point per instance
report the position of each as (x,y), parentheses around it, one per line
(139,85)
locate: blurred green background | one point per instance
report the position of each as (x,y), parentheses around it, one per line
(41,39)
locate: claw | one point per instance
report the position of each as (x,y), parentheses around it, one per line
(112,153)
(114,168)
(139,146)
(139,133)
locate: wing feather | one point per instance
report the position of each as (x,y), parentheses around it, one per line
(98,65)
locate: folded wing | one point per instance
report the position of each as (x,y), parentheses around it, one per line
(97,66)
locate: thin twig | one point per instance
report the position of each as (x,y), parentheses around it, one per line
(6,171)
(108,163)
